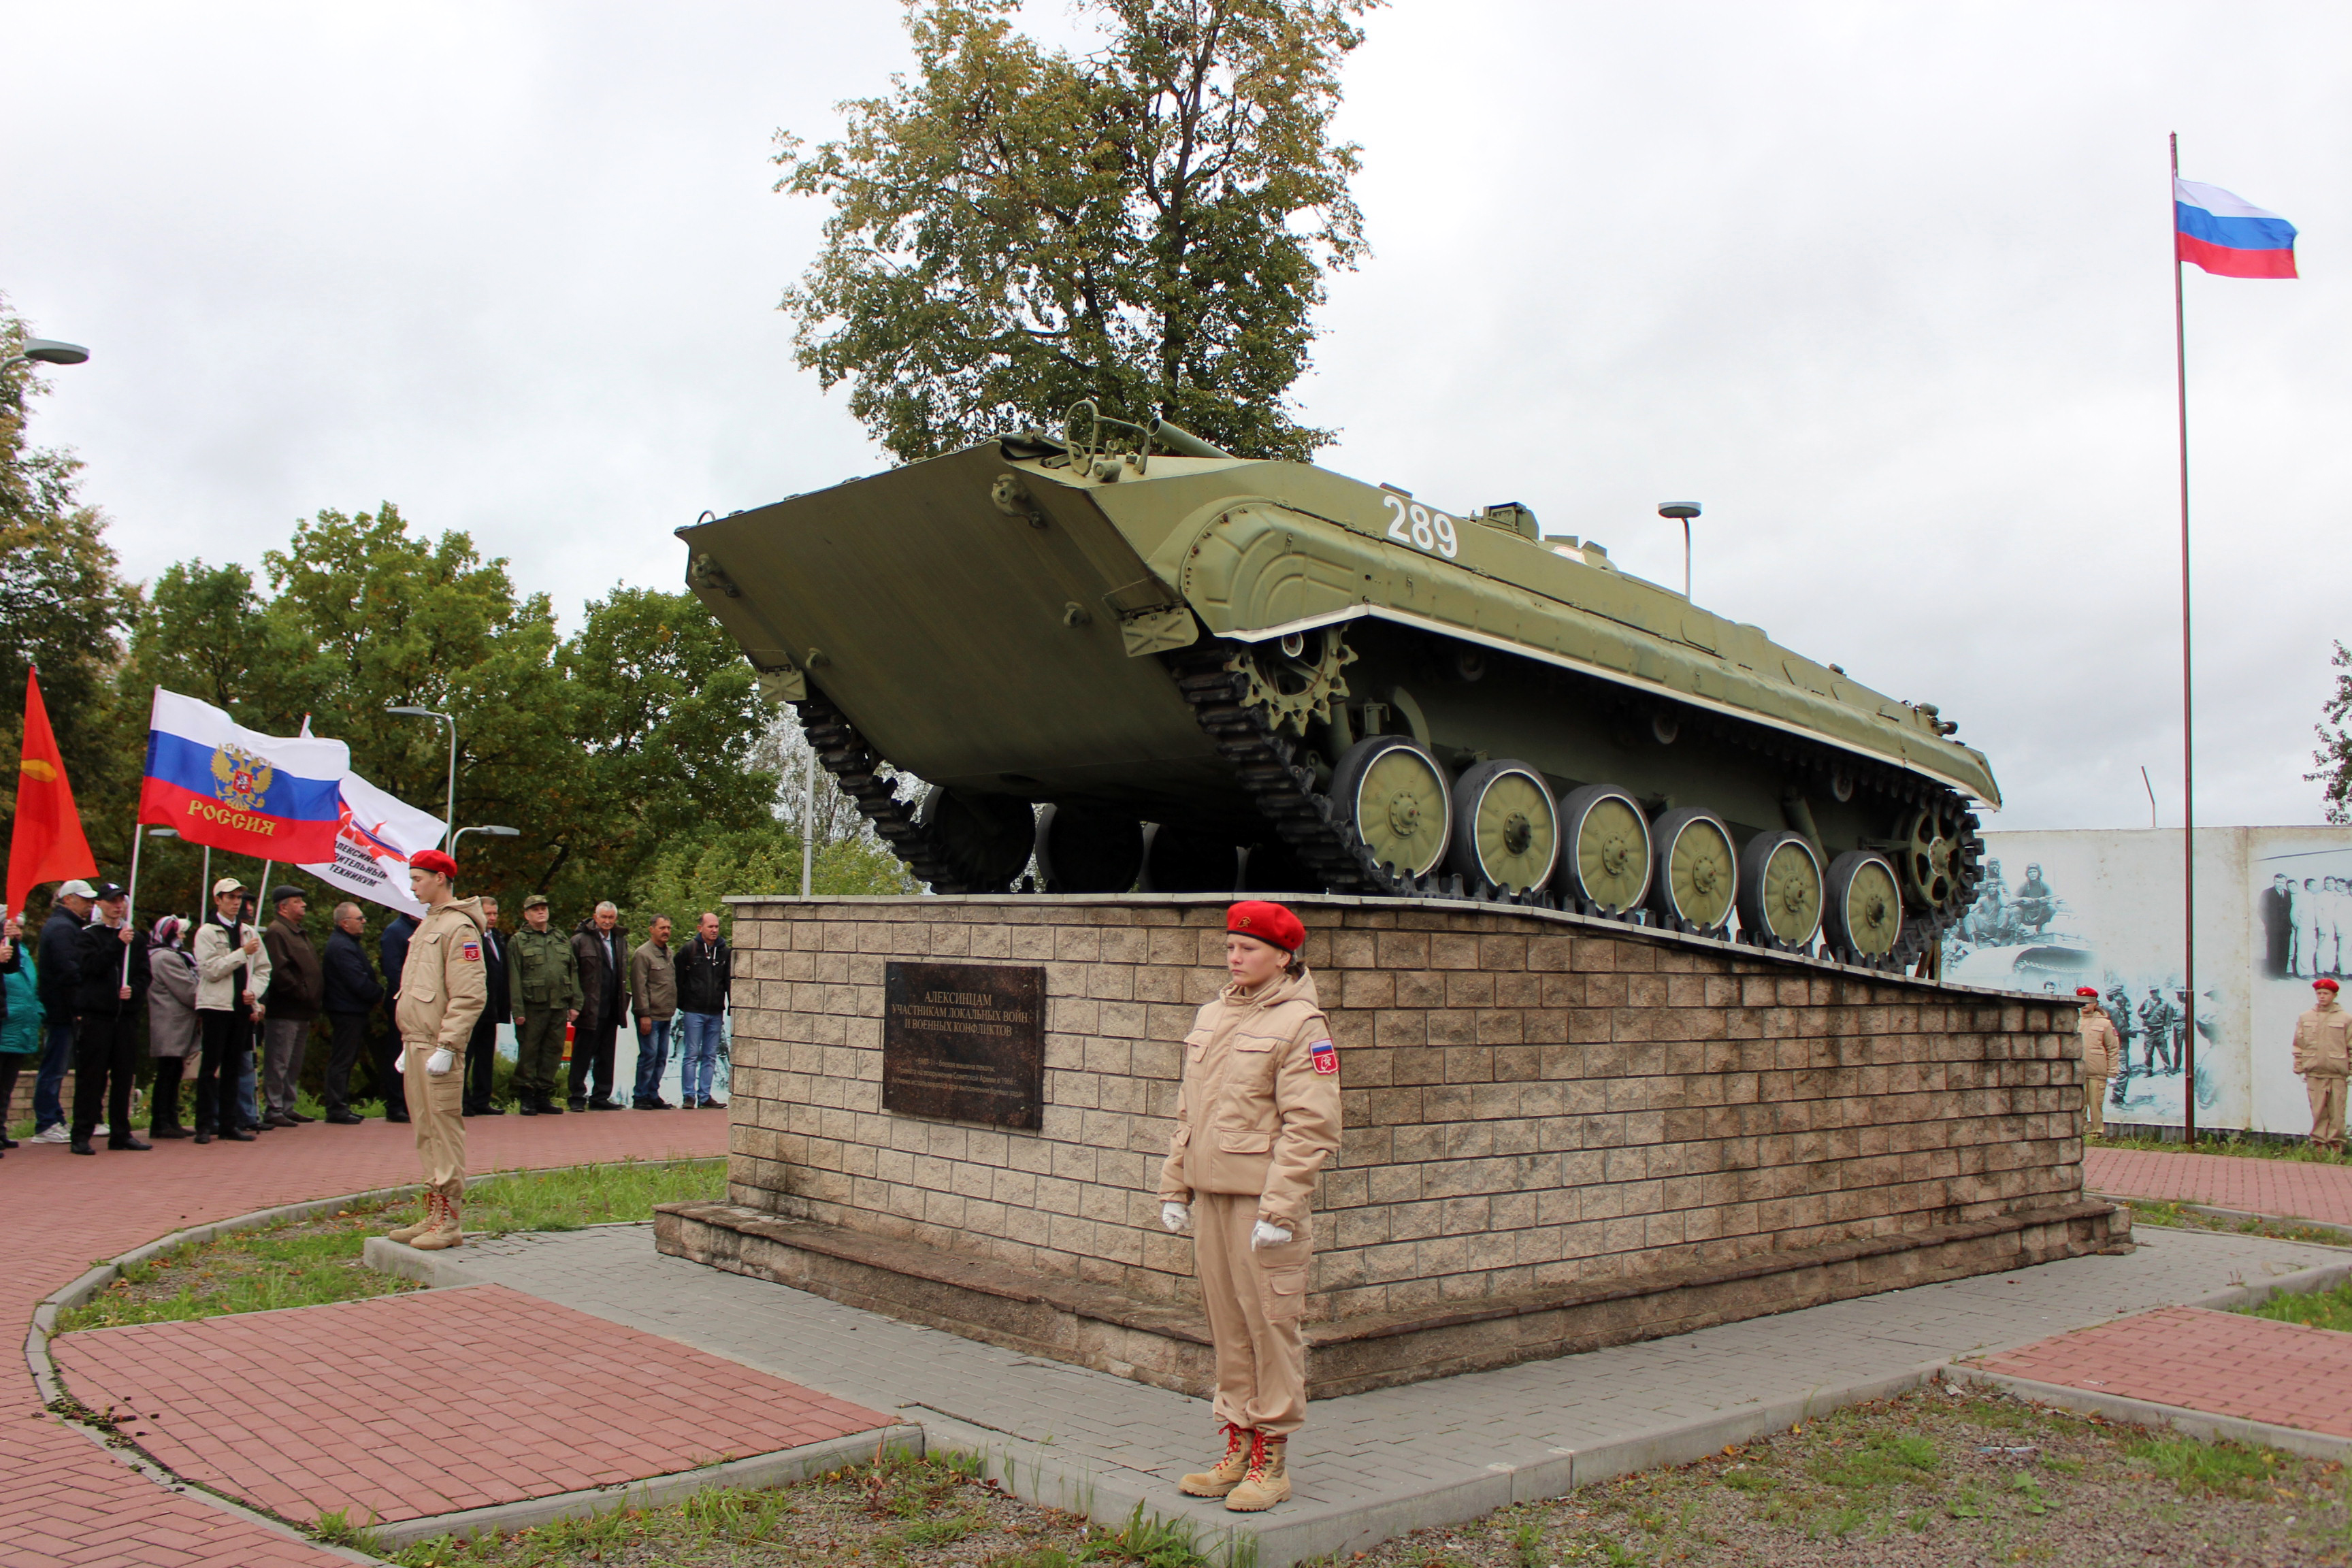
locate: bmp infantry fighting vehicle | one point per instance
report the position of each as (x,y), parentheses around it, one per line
(1211,671)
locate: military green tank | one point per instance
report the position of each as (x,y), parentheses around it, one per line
(1146,661)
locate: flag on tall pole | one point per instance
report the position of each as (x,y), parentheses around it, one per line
(2229,237)
(377,834)
(48,844)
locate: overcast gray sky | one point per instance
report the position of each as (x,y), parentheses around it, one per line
(1885,287)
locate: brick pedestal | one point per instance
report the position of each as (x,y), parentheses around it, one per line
(1561,1132)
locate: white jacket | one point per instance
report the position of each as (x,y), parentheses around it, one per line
(218,958)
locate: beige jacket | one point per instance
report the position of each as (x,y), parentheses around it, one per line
(218,958)
(2319,1042)
(653,982)
(444,984)
(2103,1049)
(1259,1107)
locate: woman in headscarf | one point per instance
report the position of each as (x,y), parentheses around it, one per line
(173,1027)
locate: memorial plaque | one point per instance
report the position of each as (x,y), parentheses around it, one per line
(964,1041)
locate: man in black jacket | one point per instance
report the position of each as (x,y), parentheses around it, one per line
(351,990)
(60,951)
(705,968)
(392,948)
(482,1046)
(110,993)
(603,949)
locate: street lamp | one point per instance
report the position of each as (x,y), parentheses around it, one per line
(493,832)
(47,351)
(1682,512)
(450,821)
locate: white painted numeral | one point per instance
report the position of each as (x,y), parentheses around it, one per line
(1396,524)
(1431,530)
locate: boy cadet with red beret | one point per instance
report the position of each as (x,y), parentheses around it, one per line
(1258,1115)
(2321,1056)
(2103,1054)
(444,988)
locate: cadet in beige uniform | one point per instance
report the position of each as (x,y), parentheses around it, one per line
(444,988)
(2321,1056)
(2103,1056)
(1256,1117)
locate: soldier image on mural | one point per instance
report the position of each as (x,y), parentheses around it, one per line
(2058,912)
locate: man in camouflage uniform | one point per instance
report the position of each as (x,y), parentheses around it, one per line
(2119,1014)
(545,974)
(444,988)
(2156,1021)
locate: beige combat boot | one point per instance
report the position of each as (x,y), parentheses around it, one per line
(450,1232)
(431,1217)
(1268,1480)
(1226,1473)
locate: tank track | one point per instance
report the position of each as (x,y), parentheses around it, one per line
(844,754)
(1266,764)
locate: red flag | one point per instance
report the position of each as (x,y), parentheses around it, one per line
(47,846)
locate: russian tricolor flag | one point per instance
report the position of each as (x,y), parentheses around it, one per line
(2228,236)
(274,797)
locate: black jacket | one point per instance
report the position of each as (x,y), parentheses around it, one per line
(393,948)
(603,986)
(703,973)
(352,985)
(500,1007)
(99,970)
(60,957)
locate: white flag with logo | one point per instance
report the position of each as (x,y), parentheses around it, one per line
(377,835)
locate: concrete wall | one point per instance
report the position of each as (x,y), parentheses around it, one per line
(1531,1099)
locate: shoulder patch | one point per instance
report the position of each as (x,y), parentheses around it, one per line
(1325,1056)
(470,950)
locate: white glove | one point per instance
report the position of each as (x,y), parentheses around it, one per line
(400,1062)
(1175,1215)
(1264,1235)
(438,1064)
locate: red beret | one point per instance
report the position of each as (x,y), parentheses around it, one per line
(2089,991)
(1266,923)
(2324,986)
(434,860)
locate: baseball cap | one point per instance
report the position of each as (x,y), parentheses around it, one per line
(536,901)
(107,892)
(228,885)
(76,888)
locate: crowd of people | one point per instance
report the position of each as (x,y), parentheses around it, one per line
(230,1008)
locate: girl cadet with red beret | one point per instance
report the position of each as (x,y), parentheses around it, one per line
(1256,1117)
(2103,1054)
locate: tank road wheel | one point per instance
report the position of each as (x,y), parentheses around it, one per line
(1604,863)
(983,840)
(1505,828)
(1696,878)
(1863,908)
(1086,849)
(1931,856)
(1396,798)
(1780,891)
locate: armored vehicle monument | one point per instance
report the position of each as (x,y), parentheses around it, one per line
(1146,661)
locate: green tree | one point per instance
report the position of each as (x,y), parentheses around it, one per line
(2334,757)
(63,609)
(1148,224)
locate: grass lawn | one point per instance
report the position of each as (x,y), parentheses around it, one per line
(2320,1309)
(2224,1143)
(1936,1476)
(2148,1211)
(305,1262)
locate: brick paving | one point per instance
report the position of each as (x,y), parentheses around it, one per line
(2300,1188)
(64,1502)
(403,1406)
(2224,1363)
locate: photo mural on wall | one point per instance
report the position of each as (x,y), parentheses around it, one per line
(2062,909)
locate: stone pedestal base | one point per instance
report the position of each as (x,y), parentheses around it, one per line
(1096,1326)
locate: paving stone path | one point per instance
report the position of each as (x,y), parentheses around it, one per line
(64,1501)
(2224,1363)
(2299,1188)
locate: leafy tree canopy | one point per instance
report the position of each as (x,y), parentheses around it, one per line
(1016,228)
(2334,758)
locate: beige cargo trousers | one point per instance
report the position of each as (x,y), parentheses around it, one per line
(443,989)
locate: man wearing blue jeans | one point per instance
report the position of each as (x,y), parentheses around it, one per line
(705,968)
(59,950)
(653,997)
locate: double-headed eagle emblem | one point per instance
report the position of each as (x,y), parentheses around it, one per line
(240,778)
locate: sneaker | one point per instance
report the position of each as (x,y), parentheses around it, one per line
(55,1132)
(100,1131)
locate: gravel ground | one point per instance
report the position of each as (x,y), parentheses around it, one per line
(1934,1478)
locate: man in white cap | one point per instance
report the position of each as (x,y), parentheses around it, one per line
(60,946)
(232,973)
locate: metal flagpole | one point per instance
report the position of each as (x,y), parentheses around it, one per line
(131,897)
(2188,732)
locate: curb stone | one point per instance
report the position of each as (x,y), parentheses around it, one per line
(2147,1413)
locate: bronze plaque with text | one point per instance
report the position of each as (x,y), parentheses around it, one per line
(964,1041)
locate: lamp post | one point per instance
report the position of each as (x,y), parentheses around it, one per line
(1682,512)
(493,832)
(449,823)
(47,351)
